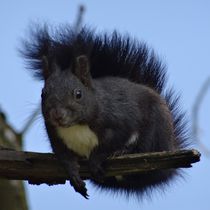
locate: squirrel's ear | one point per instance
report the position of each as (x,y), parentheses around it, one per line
(82,70)
(48,68)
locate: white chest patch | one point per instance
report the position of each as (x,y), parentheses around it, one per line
(79,138)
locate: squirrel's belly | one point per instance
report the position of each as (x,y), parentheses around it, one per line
(79,138)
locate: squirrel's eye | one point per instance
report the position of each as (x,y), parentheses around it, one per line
(77,94)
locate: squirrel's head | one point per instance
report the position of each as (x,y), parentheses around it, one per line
(68,95)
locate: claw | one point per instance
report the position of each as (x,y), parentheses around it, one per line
(79,186)
(85,195)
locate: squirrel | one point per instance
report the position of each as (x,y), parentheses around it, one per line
(104,95)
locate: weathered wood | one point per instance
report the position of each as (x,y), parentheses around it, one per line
(44,167)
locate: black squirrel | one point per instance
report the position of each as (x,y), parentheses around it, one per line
(104,95)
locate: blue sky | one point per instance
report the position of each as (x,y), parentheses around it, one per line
(179,31)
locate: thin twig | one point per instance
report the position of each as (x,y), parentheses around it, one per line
(195,116)
(30,120)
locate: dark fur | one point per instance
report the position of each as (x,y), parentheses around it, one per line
(124,93)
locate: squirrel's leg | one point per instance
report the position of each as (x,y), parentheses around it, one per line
(72,167)
(70,162)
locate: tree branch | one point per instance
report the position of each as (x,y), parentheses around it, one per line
(40,168)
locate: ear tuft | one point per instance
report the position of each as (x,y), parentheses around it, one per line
(82,63)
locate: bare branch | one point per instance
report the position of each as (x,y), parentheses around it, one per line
(40,168)
(79,19)
(195,116)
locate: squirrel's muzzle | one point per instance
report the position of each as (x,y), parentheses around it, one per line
(58,117)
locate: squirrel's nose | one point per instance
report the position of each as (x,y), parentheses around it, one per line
(57,115)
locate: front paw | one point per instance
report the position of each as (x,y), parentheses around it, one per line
(79,186)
